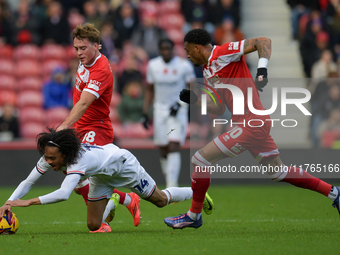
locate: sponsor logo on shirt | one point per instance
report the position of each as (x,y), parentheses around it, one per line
(233,46)
(94,85)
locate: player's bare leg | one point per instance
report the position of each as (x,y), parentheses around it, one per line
(95,212)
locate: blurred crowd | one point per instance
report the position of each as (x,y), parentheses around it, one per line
(38,64)
(316,27)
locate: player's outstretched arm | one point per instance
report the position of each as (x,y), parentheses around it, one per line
(78,110)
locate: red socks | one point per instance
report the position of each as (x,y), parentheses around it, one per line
(121,194)
(200,182)
(84,191)
(300,178)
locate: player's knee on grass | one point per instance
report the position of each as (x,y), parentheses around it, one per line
(93,224)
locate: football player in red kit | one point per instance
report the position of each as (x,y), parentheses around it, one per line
(225,64)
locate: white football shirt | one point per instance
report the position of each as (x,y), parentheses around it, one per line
(168,79)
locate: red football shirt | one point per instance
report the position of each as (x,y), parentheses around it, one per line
(96,79)
(226,65)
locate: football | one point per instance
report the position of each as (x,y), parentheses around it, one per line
(9,224)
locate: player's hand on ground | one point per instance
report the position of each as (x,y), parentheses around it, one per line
(188,96)
(145,121)
(174,109)
(261,79)
(4,209)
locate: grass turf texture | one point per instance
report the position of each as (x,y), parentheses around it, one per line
(273,219)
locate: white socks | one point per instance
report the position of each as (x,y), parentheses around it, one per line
(127,200)
(109,207)
(163,165)
(173,168)
(333,194)
(175,194)
(194,216)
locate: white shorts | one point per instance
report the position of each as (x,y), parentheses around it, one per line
(168,128)
(132,176)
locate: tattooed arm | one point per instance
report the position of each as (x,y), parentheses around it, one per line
(261,44)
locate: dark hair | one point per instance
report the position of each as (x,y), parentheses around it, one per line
(66,140)
(198,36)
(165,40)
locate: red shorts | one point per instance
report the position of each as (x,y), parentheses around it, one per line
(257,140)
(96,136)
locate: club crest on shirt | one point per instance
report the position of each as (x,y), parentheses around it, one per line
(83,73)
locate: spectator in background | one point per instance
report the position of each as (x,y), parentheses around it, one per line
(322,109)
(299,8)
(91,14)
(9,126)
(57,92)
(131,106)
(198,11)
(107,40)
(131,73)
(56,28)
(148,35)
(105,12)
(324,65)
(227,32)
(126,22)
(330,124)
(322,68)
(227,9)
(24,26)
(5,15)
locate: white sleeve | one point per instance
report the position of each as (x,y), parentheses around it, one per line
(149,76)
(190,73)
(26,185)
(64,192)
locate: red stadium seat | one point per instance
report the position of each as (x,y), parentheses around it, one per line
(27,51)
(6,51)
(118,130)
(115,101)
(55,116)
(30,83)
(50,65)
(75,18)
(114,115)
(6,66)
(30,98)
(31,129)
(171,21)
(28,68)
(32,114)
(176,35)
(53,51)
(169,6)
(135,130)
(70,52)
(7,82)
(8,96)
(148,7)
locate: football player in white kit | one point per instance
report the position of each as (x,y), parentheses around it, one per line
(107,166)
(166,76)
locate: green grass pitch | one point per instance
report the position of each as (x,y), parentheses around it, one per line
(273,219)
